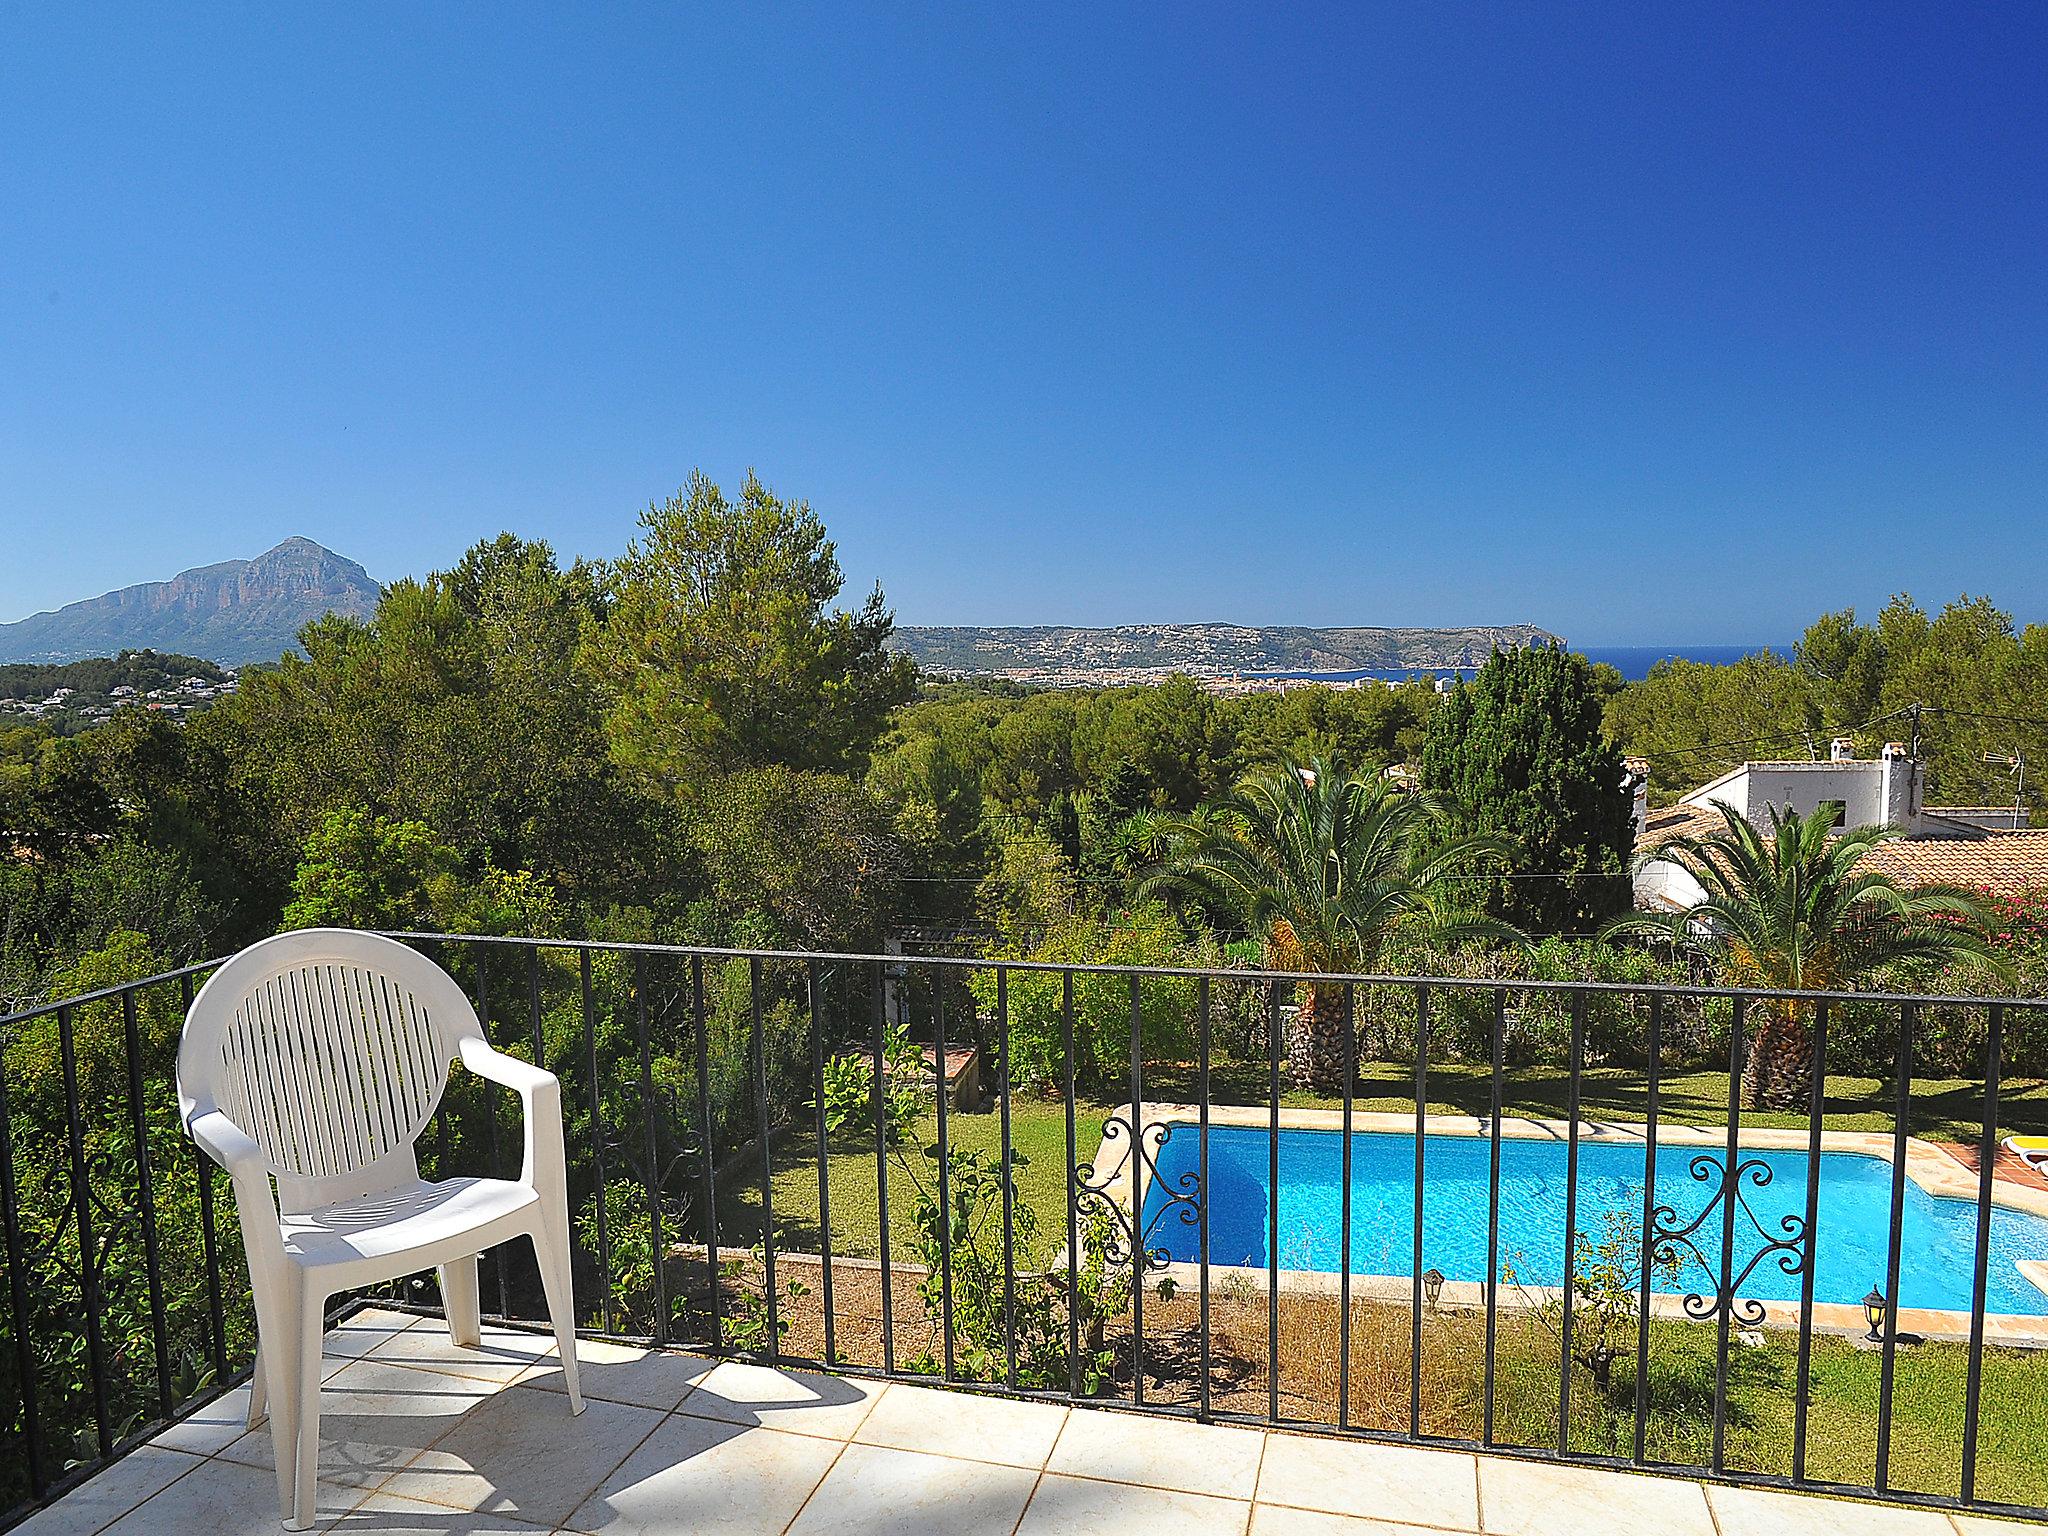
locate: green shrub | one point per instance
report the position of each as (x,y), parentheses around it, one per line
(850,1090)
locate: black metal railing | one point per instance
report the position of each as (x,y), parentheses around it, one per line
(788,1156)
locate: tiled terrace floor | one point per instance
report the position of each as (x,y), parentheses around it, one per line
(420,1437)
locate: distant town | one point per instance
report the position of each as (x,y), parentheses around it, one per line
(79,695)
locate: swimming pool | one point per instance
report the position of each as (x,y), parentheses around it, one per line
(1937,1251)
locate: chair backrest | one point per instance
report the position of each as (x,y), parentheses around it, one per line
(329,1048)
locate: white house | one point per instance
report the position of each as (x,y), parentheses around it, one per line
(1982,847)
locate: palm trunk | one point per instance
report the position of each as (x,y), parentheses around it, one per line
(1315,1041)
(1779,1071)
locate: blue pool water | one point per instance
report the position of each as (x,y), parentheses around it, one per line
(1936,1252)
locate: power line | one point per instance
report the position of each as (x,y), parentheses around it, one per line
(1978,714)
(1764,741)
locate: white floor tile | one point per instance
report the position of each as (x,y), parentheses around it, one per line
(707,1478)
(505,1355)
(1379,1482)
(964,1424)
(1215,1459)
(1075,1506)
(521,1453)
(224,1498)
(651,1378)
(802,1402)
(1540,1498)
(355,1337)
(374,1418)
(874,1491)
(212,1427)
(1277,1520)
(1765,1512)
(384,1514)
(104,1498)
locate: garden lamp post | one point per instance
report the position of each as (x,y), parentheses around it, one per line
(1432,1286)
(1874,1309)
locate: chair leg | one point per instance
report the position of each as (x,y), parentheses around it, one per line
(551,1254)
(259,1391)
(462,1302)
(311,1338)
(276,1378)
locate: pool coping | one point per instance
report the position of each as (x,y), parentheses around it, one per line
(1927,1165)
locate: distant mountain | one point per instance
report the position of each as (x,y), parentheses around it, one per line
(1205,648)
(235,612)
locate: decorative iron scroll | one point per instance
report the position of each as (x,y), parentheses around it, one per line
(1130,1233)
(1790,1243)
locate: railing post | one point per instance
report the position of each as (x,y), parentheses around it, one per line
(878,1089)
(604,1242)
(1571,1224)
(708,1140)
(650,1116)
(1902,1107)
(1073,1190)
(1273,1207)
(1500,1026)
(1202,1154)
(1009,1182)
(1349,1060)
(945,1177)
(1815,1113)
(1137,1155)
(817,1000)
(1646,1245)
(1987,1157)
(88,1245)
(17,1297)
(763,1131)
(1731,1183)
(145,1175)
(1415,1268)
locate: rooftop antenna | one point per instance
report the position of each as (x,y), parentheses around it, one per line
(2017,762)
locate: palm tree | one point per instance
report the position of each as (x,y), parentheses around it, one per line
(1321,865)
(1788,909)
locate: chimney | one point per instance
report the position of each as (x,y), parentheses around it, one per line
(1637,779)
(1841,750)
(1902,788)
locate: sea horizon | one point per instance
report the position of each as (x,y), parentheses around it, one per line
(1633,662)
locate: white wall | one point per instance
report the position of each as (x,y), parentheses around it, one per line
(1661,886)
(1862,787)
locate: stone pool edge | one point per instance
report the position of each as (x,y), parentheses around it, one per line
(1932,1169)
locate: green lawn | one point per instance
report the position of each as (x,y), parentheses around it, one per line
(1038,1139)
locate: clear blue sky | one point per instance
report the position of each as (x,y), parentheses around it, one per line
(1648,323)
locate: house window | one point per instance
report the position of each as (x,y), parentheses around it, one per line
(1838,812)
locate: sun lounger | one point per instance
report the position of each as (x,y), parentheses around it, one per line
(2031,1150)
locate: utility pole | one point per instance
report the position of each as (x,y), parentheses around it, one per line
(1914,750)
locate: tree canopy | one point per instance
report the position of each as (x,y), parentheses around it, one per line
(1519,754)
(721,649)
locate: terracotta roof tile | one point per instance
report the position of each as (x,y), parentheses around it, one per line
(1661,826)
(2007,863)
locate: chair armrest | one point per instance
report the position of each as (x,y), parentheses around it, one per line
(226,1143)
(523,1078)
(230,1146)
(540,1096)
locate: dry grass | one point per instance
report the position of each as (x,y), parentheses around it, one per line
(1758,1426)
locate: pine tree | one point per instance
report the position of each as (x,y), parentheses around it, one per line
(1518,753)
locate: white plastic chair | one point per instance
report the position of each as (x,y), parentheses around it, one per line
(316,1059)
